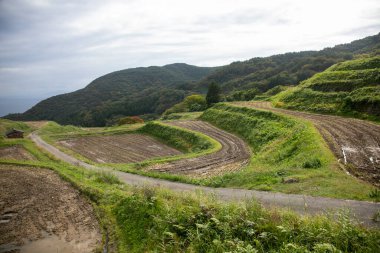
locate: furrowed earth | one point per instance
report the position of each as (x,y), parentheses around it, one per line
(41,213)
(232,156)
(126,148)
(15,153)
(354,142)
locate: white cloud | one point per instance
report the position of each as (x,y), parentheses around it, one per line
(62,45)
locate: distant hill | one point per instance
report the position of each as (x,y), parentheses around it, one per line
(133,91)
(152,90)
(264,73)
(347,88)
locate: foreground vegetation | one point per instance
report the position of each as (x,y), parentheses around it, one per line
(157,220)
(349,88)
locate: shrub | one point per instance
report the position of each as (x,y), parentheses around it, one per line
(130,120)
(193,103)
(104,177)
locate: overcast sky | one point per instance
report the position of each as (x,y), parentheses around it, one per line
(52,47)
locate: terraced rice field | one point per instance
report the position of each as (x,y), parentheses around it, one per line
(15,153)
(39,212)
(126,148)
(233,155)
(356,143)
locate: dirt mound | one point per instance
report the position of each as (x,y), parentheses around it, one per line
(233,155)
(39,212)
(16,152)
(356,143)
(126,148)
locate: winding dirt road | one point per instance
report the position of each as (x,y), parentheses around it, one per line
(232,156)
(356,143)
(361,211)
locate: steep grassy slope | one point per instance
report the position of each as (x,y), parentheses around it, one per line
(288,155)
(286,69)
(127,92)
(348,88)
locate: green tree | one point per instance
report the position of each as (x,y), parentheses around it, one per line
(213,94)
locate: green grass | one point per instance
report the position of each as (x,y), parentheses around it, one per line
(184,140)
(6,125)
(284,148)
(350,88)
(157,220)
(182,116)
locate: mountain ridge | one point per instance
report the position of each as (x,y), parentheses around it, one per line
(152,90)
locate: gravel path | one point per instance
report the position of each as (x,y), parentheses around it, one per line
(362,211)
(356,143)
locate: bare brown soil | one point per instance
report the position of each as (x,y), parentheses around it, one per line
(39,212)
(126,148)
(233,155)
(15,152)
(356,143)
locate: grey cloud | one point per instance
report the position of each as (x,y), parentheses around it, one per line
(42,54)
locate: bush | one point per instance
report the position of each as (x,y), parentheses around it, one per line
(193,103)
(104,177)
(130,120)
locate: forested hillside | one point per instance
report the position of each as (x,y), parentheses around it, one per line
(134,91)
(152,90)
(348,88)
(286,69)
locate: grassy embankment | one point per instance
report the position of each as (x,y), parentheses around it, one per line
(157,220)
(289,156)
(350,88)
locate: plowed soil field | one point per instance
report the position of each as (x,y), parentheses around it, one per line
(15,152)
(356,143)
(233,155)
(39,212)
(126,148)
